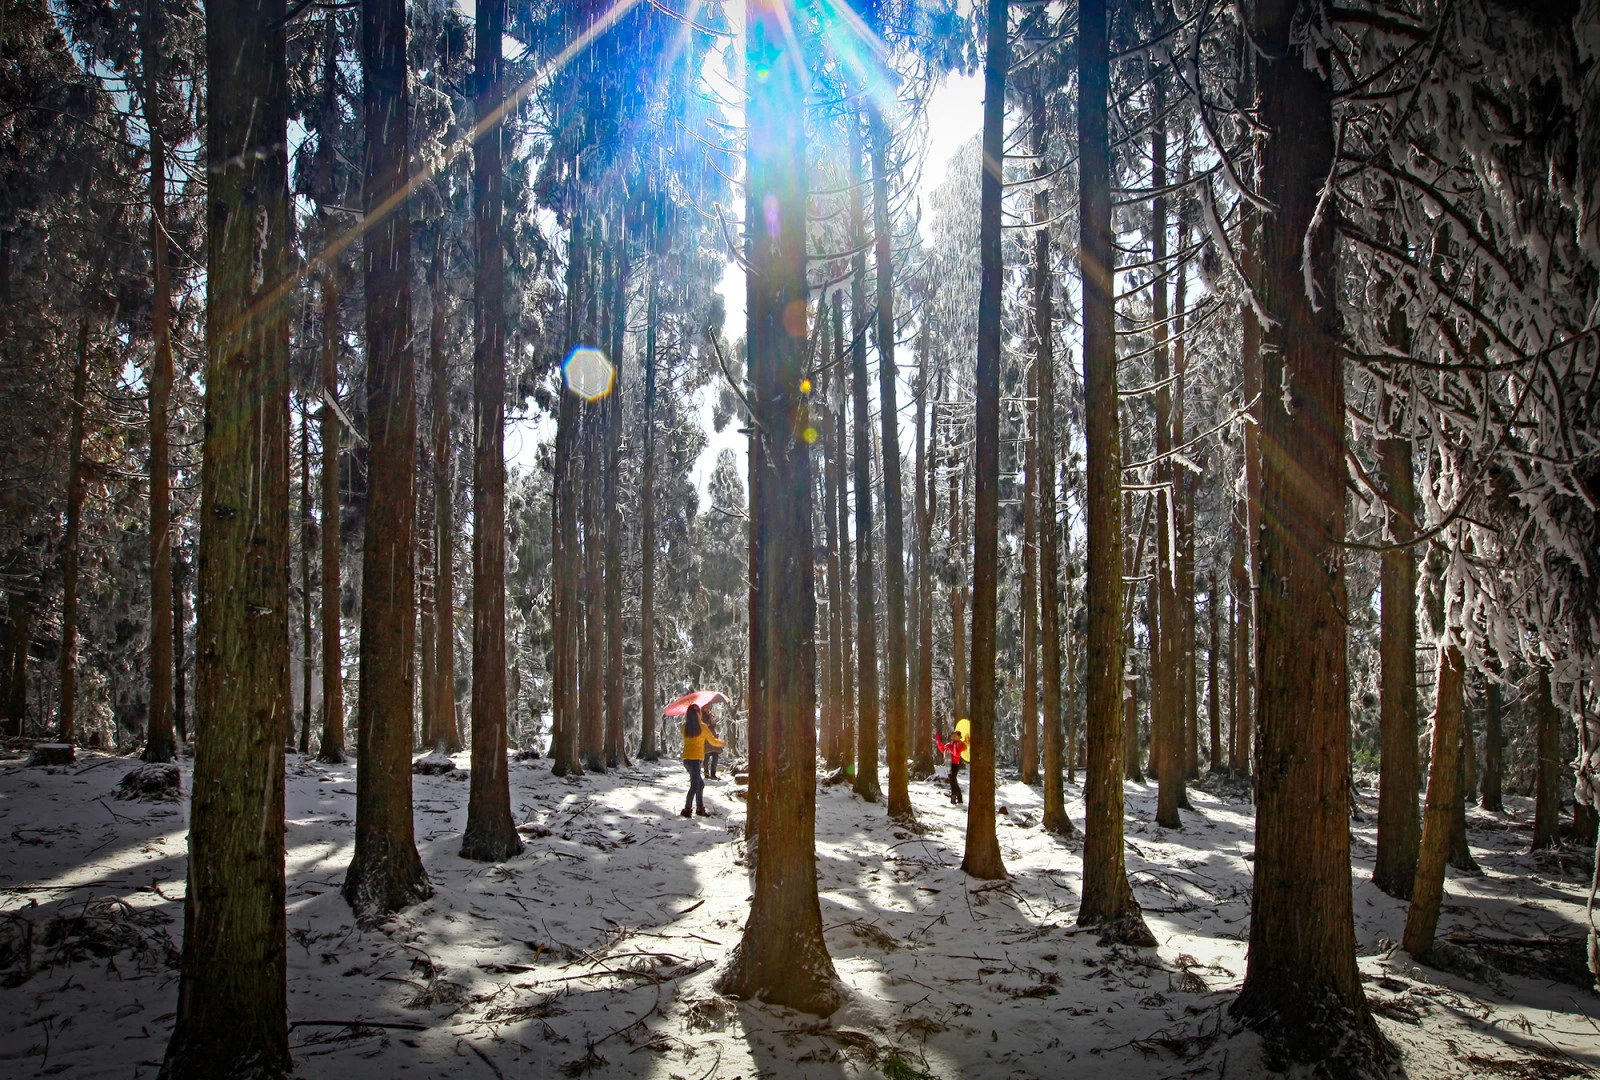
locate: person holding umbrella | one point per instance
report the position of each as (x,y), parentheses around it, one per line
(695,741)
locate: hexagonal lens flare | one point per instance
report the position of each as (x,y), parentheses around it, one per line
(588,373)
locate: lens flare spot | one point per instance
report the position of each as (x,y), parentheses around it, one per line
(794,318)
(587,373)
(809,434)
(805,386)
(769,208)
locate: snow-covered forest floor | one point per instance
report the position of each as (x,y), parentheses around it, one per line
(595,950)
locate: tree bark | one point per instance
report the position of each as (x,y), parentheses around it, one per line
(832,703)
(615,752)
(1028,736)
(1166,717)
(1460,849)
(593,550)
(1302,988)
(178,709)
(956,552)
(1129,683)
(922,748)
(647,526)
(446,734)
(1547,776)
(1444,793)
(897,719)
(307,538)
(866,784)
(1493,749)
(490,834)
(67,719)
(1107,900)
(232,1016)
(982,858)
(1184,527)
(1213,701)
(427,611)
(385,871)
(847,697)
(331,747)
(1056,747)
(1399,830)
(782,957)
(159,744)
(1241,636)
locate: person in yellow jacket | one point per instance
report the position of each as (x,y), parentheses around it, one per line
(695,740)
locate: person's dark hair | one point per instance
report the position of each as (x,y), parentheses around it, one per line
(691,722)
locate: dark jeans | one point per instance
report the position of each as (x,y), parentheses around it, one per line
(697,787)
(712,757)
(955,781)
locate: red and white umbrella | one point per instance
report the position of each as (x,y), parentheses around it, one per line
(701,698)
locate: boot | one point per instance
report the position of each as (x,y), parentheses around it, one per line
(684,812)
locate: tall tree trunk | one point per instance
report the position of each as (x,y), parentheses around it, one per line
(232,1016)
(956,552)
(446,734)
(1129,685)
(897,717)
(1056,746)
(67,720)
(385,872)
(331,747)
(567,509)
(1233,683)
(594,640)
(782,957)
(1107,899)
(847,699)
(832,703)
(1460,849)
(1444,793)
(1166,715)
(614,749)
(1399,830)
(564,698)
(866,784)
(1184,525)
(427,611)
(159,745)
(179,574)
(1213,701)
(982,858)
(307,538)
(1301,984)
(490,834)
(1547,777)
(1028,735)
(1239,639)
(647,533)
(1493,749)
(922,727)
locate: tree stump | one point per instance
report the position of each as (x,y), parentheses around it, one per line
(52,753)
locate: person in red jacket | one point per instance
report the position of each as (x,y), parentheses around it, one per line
(956,750)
